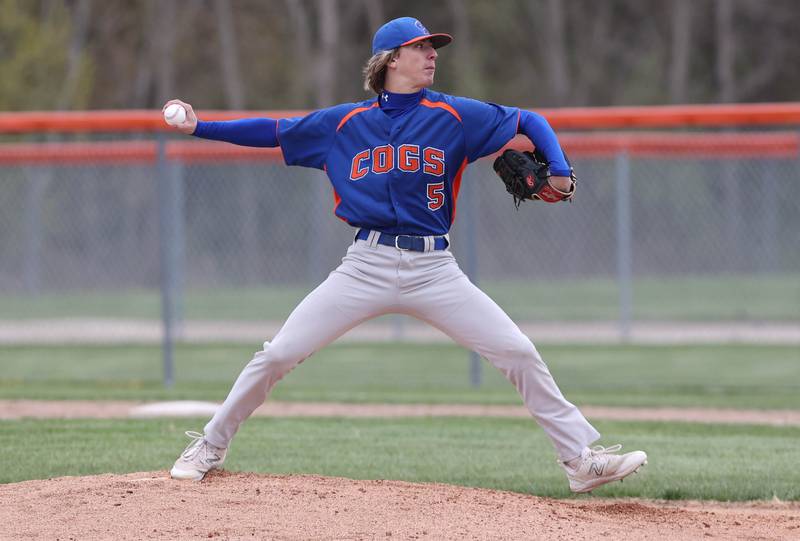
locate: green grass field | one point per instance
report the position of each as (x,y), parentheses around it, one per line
(733,376)
(718,298)
(686,461)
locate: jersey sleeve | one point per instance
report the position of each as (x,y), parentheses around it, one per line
(538,130)
(251,132)
(307,140)
(487,126)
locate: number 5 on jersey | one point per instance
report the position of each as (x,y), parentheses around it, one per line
(435,195)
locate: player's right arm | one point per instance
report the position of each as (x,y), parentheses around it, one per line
(189,125)
(304,140)
(252,132)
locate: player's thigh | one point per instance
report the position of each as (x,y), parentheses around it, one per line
(472,319)
(335,306)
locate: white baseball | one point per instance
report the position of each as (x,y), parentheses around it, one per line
(175,114)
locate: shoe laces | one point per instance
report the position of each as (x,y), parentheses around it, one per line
(197,444)
(600,450)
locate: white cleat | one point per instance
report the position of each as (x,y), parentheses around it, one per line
(197,459)
(598,466)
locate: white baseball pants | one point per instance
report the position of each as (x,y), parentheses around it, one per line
(373,280)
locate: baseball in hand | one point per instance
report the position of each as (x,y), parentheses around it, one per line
(175,114)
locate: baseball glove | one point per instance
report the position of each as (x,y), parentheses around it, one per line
(527,176)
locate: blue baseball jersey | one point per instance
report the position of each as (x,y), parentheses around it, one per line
(399,175)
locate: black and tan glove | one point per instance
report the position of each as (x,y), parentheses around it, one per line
(527,176)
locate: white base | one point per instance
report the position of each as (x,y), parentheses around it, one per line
(180,408)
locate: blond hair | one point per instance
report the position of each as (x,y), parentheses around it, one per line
(375,70)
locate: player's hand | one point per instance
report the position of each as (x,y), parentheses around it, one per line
(561,183)
(189,125)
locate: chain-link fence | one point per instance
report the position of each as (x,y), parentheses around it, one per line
(104,245)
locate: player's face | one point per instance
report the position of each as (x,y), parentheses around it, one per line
(415,65)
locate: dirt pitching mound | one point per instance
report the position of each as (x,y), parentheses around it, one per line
(249,506)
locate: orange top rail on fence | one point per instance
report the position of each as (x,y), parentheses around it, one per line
(593,144)
(579,118)
(657,145)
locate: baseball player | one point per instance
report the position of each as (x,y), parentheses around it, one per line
(396,163)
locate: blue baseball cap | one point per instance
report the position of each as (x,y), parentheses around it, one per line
(405,31)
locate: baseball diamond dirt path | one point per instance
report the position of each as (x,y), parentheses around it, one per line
(225,505)
(138,331)
(75,409)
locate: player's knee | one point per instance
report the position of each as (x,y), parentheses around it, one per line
(517,353)
(277,358)
(521,350)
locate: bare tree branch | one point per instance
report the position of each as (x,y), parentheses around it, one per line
(328,43)
(597,50)
(468,78)
(77,44)
(375,13)
(301,50)
(679,53)
(725,50)
(144,69)
(556,55)
(770,66)
(165,66)
(229,56)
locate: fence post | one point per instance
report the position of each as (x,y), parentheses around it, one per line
(770,229)
(624,240)
(471,259)
(35,187)
(170,221)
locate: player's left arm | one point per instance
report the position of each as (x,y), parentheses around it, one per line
(536,128)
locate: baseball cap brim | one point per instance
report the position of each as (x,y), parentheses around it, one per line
(438,40)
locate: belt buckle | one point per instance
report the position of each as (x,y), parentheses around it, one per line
(397,246)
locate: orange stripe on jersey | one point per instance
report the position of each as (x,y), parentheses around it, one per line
(456,188)
(336,200)
(354,112)
(440,105)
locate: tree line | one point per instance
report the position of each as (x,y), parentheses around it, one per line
(300,54)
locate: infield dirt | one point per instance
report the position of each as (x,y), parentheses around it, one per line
(98,409)
(226,505)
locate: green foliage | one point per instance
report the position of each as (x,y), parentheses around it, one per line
(33,57)
(686,461)
(613,52)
